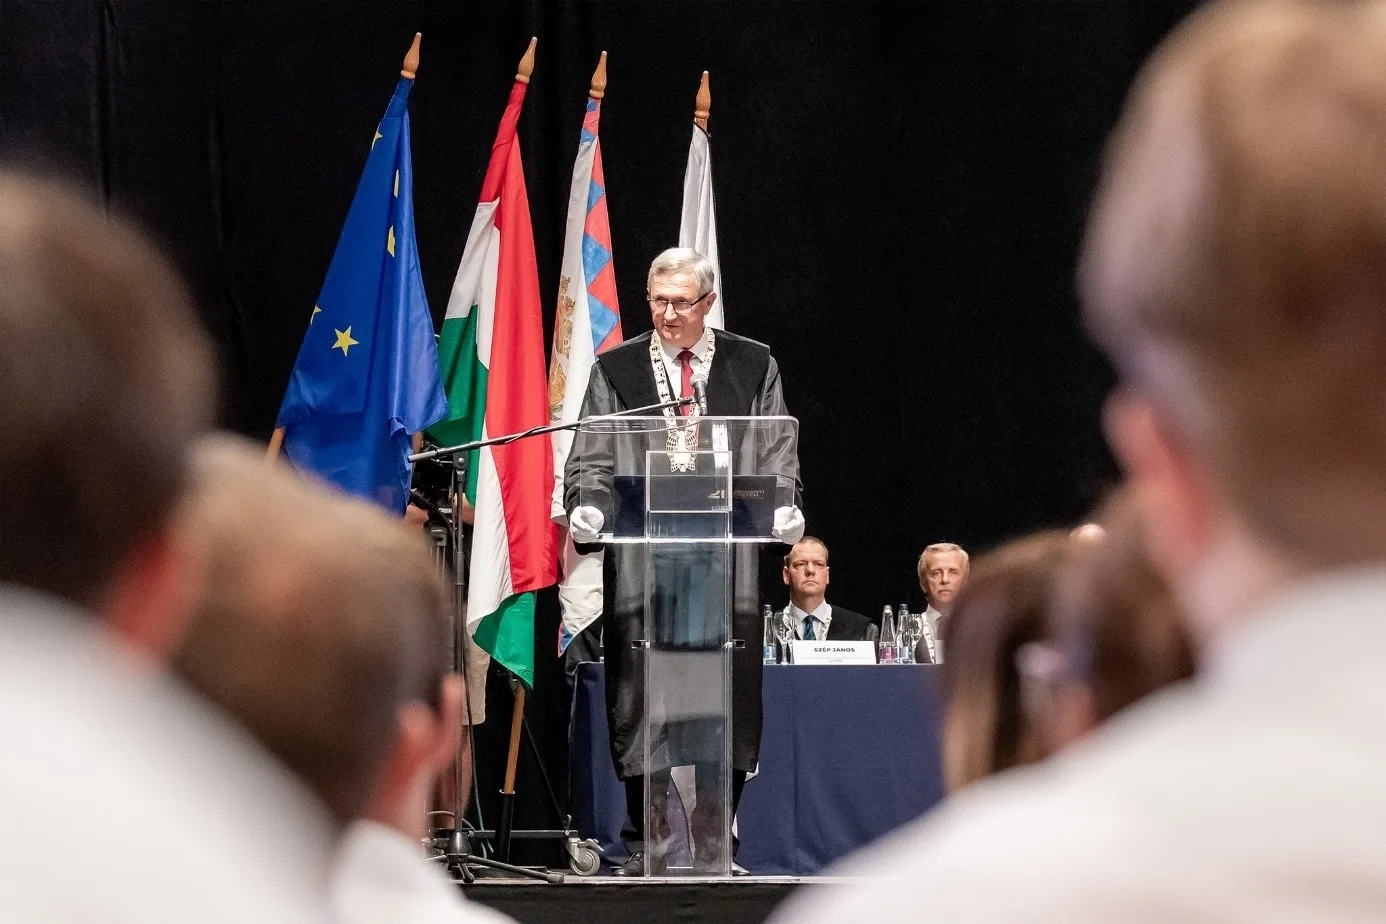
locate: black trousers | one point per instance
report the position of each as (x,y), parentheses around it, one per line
(661,786)
(585,646)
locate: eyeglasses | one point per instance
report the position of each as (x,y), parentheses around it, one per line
(680,306)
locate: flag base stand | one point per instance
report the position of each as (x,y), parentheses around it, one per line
(454,846)
(467,866)
(584,854)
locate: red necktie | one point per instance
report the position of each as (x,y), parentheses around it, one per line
(685,359)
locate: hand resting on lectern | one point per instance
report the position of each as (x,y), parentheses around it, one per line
(789,525)
(585,524)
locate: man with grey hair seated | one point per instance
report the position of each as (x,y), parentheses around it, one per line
(742,379)
(942,572)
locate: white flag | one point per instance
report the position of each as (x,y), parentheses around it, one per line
(698,227)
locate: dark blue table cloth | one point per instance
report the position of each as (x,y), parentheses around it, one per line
(847,754)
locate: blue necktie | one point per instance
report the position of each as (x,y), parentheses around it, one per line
(808,630)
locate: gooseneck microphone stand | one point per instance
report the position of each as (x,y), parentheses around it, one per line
(459,855)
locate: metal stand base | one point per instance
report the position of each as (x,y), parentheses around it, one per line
(465,865)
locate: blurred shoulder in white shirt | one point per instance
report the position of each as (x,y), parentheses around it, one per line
(381,875)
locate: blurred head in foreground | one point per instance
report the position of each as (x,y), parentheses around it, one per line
(322,630)
(1114,633)
(1235,271)
(1001,610)
(1054,635)
(106,379)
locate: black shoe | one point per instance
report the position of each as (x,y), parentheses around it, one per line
(635,866)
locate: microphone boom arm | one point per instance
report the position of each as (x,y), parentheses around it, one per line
(546,428)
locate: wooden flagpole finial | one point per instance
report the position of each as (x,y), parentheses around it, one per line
(599,79)
(411,59)
(702,105)
(527,62)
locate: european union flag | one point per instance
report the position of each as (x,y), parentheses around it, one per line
(366,377)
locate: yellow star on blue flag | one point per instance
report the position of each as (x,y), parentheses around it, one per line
(344,341)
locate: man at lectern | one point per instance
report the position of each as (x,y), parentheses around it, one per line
(681,358)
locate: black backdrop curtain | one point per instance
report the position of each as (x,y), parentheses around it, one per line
(900,191)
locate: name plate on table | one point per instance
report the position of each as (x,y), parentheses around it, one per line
(801,652)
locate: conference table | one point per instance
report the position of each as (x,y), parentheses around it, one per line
(848,753)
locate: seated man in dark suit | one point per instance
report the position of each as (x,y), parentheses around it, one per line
(806,573)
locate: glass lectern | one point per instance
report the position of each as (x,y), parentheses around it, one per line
(685,503)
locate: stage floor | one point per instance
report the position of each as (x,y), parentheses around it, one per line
(617,900)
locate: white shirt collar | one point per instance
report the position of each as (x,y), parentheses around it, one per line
(1312,627)
(823,613)
(699,349)
(176,757)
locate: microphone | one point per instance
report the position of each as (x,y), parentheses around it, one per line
(700,391)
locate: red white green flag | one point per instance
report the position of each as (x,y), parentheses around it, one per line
(491,353)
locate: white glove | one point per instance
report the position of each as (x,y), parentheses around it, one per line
(586,522)
(789,525)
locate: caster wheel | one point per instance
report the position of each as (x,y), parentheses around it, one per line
(584,857)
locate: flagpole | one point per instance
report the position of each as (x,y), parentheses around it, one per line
(512,759)
(702,103)
(526,68)
(598,87)
(276,444)
(411,58)
(409,71)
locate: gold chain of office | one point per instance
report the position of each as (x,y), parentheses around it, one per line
(680,439)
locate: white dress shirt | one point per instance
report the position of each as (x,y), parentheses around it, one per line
(381,877)
(674,369)
(1255,794)
(124,798)
(822,618)
(935,620)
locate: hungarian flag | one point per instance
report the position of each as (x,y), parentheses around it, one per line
(588,321)
(491,353)
(698,223)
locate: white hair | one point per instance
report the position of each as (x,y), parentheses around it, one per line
(940,547)
(683,260)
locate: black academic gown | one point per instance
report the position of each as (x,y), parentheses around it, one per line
(743,380)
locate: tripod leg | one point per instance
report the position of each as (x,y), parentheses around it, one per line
(511,762)
(458,854)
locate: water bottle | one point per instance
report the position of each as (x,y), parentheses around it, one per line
(888,641)
(768,653)
(906,628)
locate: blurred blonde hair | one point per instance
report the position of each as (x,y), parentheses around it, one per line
(321,616)
(1001,608)
(1235,263)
